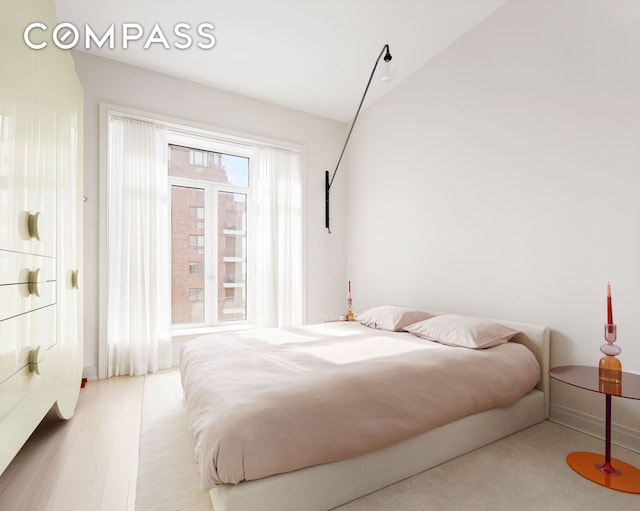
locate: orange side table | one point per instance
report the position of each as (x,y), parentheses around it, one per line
(602,469)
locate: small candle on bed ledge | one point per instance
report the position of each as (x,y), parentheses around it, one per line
(350,316)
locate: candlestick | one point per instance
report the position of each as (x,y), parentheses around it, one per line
(350,316)
(610,368)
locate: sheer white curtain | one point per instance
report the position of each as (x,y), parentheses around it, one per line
(276,258)
(138,300)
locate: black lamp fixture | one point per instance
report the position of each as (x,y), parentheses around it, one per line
(388,74)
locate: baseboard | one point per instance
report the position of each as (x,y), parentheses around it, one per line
(623,436)
(90,372)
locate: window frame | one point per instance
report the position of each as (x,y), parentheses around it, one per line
(211,189)
(193,129)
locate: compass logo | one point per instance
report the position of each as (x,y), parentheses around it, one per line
(67,36)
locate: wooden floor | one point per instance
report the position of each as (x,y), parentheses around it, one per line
(88,463)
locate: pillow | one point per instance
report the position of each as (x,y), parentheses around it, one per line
(391,317)
(464,331)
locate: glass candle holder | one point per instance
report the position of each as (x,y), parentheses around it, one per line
(350,315)
(610,368)
(611,334)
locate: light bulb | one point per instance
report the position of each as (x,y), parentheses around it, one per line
(388,72)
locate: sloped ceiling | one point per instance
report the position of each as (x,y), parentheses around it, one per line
(310,55)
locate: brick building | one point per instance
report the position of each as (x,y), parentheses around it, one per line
(189,239)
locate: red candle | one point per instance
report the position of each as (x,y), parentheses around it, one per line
(609,310)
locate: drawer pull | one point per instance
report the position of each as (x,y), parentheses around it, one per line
(33,225)
(34,359)
(75,279)
(34,282)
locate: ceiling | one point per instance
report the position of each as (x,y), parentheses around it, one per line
(310,55)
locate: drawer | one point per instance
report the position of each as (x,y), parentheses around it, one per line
(21,334)
(27,228)
(28,393)
(28,191)
(32,284)
(15,267)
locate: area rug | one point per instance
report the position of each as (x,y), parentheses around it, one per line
(526,471)
(168,477)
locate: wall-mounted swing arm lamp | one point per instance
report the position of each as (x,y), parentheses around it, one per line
(388,73)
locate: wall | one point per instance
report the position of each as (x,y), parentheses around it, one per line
(503,178)
(123,85)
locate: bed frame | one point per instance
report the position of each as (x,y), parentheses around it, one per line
(326,486)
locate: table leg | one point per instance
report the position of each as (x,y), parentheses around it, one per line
(606,467)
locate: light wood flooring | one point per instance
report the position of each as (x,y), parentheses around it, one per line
(88,463)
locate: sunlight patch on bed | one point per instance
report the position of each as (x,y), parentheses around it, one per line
(281,336)
(347,352)
(293,335)
(335,329)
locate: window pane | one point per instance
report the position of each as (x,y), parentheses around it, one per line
(232,256)
(187,255)
(237,169)
(196,212)
(208,165)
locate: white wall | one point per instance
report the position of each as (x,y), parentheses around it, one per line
(111,82)
(503,179)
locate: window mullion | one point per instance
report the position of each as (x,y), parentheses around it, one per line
(211,258)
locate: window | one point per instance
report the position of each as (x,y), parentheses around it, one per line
(197,158)
(196,212)
(217,230)
(195,267)
(196,240)
(209,206)
(196,295)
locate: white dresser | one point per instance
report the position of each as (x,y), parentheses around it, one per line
(40,227)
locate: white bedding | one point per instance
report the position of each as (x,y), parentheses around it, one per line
(263,402)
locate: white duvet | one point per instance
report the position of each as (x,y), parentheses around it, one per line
(263,402)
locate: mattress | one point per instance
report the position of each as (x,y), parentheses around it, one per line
(271,401)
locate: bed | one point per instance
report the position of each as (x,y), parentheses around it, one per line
(281,420)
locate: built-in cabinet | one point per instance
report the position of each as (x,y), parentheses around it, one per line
(40,227)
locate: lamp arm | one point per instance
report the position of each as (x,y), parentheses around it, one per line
(328,182)
(385,48)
